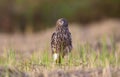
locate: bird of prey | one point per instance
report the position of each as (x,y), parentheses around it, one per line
(61,42)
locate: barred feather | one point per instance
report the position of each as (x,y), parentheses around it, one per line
(61,41)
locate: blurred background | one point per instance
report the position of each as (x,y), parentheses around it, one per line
(37,15)
(27,25)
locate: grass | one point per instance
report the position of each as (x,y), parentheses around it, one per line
(84,57)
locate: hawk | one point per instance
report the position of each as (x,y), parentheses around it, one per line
(61,42)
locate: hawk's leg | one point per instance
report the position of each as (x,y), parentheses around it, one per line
(57,58)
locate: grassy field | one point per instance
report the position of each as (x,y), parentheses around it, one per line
(95,53)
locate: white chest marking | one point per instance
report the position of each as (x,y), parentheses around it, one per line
(55,56)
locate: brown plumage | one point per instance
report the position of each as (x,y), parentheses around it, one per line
(61,42)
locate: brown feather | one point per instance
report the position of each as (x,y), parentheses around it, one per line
(61,41)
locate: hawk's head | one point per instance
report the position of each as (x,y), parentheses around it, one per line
(62,22)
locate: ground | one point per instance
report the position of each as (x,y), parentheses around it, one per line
(30,55)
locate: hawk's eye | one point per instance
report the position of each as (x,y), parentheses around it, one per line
(62,22)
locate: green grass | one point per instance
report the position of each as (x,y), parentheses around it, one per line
(84,57)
